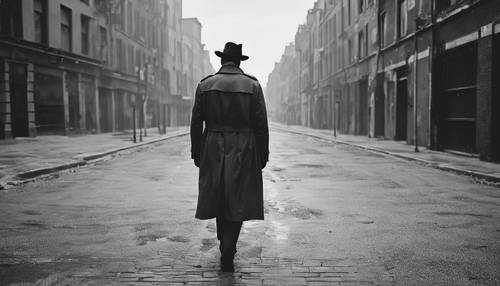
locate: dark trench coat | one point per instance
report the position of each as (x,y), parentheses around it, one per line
(233,148)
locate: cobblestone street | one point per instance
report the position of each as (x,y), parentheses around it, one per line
(335,215)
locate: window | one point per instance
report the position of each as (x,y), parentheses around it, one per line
(130,23)
(122,15)
(104,45)
(84,20)
(10,23)
(66,28)
(334,27)
(40,19)
(361,44)
(350,51)
(142,34)
(130,60)
(349,3)
(446,4)
(361,6)
(137,24)
(402,18)
(383,29)
(345,13)
(85,2)
(121,48)
(137,59)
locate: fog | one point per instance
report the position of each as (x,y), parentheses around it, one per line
(263,27)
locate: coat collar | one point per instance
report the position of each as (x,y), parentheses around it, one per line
(230,69)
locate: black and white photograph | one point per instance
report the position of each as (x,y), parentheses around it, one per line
(238,142)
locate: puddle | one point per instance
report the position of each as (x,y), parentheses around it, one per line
(387,184)
(308,166)
(145,239)
(277,169)
(33,223)
(31,212)
(305,213)
(143,227)
(179,238)
(207,244)
(462,214)
(211,227)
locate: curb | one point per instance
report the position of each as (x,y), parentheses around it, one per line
(477,175)
(79,160)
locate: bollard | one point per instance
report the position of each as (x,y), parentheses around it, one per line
(140,125)
(133,124)
(164,117)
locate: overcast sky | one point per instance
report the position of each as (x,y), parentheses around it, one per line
(264,27)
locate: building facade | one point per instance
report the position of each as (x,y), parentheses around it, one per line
(420,71)
(285,105)
(87,66)
(195,63)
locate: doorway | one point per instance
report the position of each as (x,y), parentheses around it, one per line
(380,107)
(363,111)
(401,106)
(457,99)
(73,101)
(19,100)
(105,110)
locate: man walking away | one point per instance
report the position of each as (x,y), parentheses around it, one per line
(232,150)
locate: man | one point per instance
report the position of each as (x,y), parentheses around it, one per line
(232,150)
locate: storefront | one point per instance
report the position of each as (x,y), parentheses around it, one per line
(49,101)
(457,98)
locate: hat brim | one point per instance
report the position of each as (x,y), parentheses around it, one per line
(226,56)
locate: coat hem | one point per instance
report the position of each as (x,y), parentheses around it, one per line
(230,219)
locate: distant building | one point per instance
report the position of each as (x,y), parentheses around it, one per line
(195,62)
(357,72)
(283,84)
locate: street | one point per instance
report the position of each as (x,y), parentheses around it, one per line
(335,215)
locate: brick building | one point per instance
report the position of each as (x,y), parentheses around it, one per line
(78,66)
(420,71)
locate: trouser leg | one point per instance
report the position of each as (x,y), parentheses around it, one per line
(220,226)
(231,232)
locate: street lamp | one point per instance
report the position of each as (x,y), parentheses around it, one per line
(419,23)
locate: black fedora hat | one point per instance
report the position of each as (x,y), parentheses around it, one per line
(232,51)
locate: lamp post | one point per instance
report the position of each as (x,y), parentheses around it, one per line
(146,79)
(419,22)
(134,109)
(139,97)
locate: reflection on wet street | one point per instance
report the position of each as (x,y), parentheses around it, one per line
(334,215)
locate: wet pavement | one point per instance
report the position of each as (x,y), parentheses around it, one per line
(26,154)
(335,215)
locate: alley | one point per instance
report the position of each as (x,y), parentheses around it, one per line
(335,215)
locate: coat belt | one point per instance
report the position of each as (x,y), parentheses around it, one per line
(228,129)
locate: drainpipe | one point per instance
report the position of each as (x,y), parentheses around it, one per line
(415,87)
(432,56)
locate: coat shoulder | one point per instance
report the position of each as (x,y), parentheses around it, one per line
(250,76)
(207,77)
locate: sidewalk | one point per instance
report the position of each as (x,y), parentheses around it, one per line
(26,158)
(473,167)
